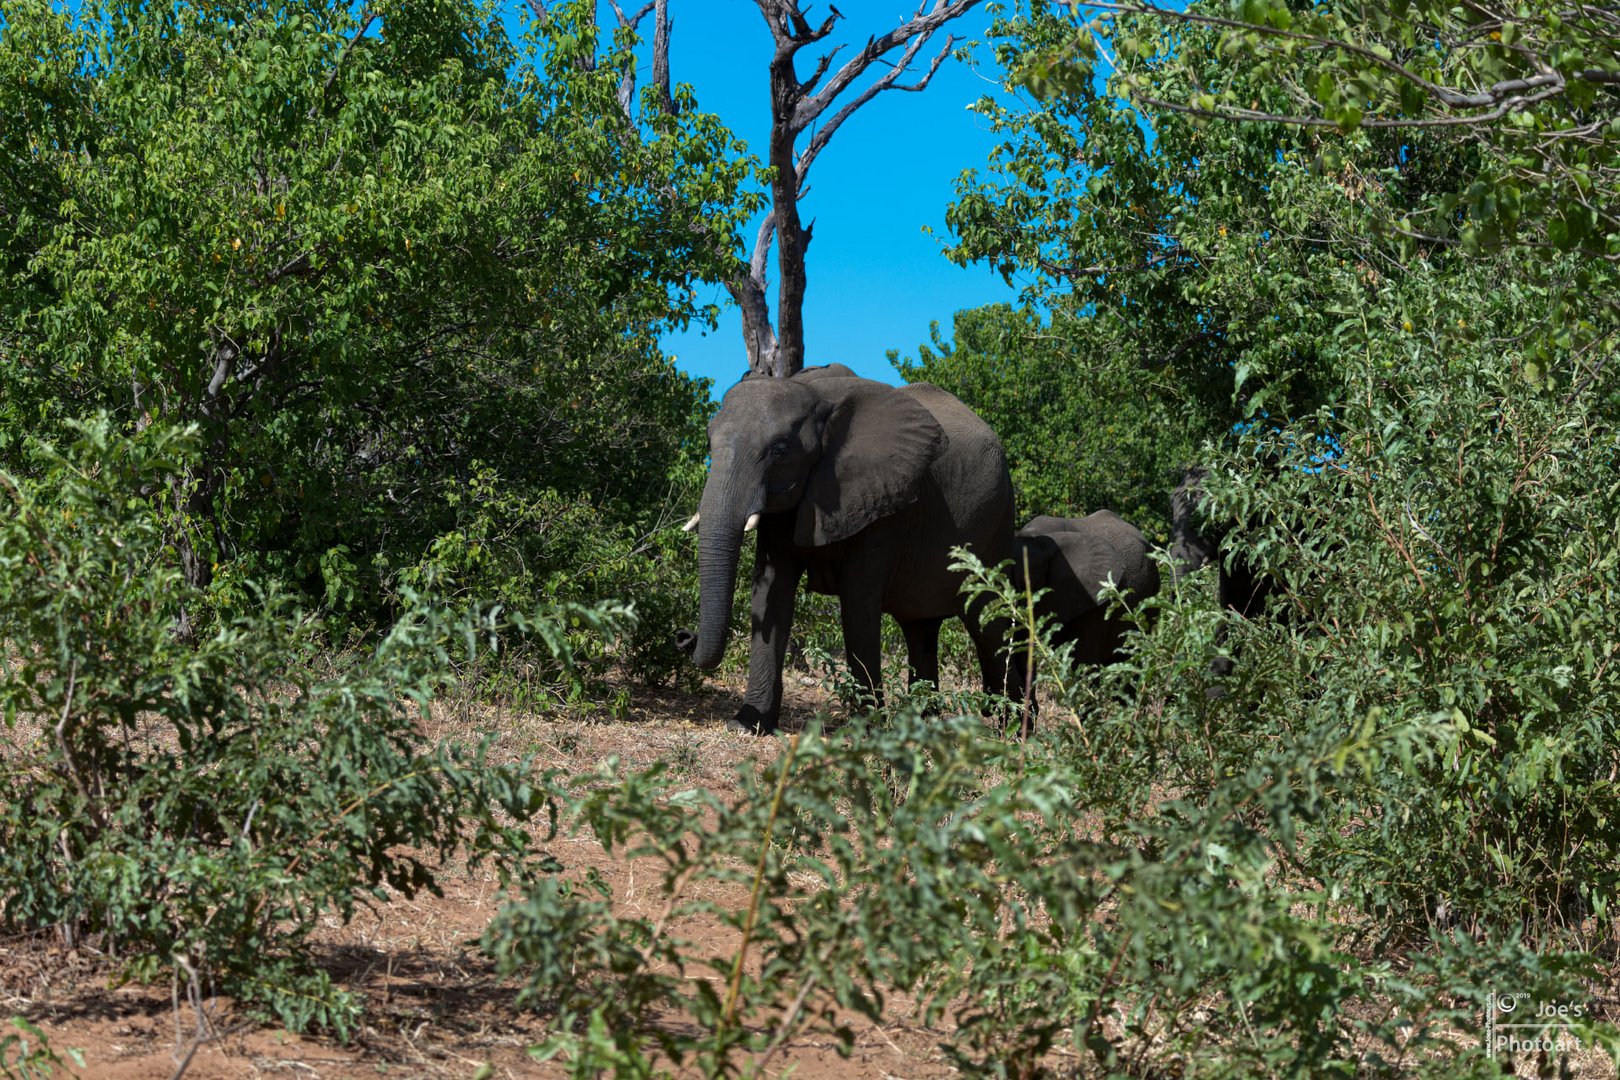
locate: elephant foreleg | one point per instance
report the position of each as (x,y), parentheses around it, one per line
(990,643)
(1004,661)
(776,587)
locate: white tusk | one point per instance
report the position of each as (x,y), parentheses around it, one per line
(752,523)
(690,525)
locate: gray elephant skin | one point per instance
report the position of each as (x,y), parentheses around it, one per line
(1072,558)
(861,489)
(1195,541)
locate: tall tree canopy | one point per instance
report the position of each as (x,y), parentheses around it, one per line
(373,254)
(1533,88)
(1233,270)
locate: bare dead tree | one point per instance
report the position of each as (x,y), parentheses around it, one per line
(627,84)
(660,67)
(798,106)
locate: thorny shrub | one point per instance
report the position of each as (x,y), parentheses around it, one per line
(26,1054)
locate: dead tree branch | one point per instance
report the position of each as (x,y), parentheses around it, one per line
(660,64)
(627,82)
(796,106)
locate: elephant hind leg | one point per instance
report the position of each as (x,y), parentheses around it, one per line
(922,649)
(1009,671)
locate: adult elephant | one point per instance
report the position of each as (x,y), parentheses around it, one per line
(862,489)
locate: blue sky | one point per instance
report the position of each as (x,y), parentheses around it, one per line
(875,279)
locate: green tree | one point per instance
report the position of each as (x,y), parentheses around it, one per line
(1200,256)
(1533,87)
(373,255)
(1445,582)
(1185,276)
(1080,436)
(1216,258)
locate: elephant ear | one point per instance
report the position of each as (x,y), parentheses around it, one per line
(1033,551)
(875,447)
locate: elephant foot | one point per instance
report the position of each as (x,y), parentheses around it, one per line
(752,721)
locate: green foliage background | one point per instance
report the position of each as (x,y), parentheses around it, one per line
(403,273)
(1081,433)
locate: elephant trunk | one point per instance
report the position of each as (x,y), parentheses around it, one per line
(719,547)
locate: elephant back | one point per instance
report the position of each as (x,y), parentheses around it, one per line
(1046,525)
(968,437)
(1095,548)
(971,471)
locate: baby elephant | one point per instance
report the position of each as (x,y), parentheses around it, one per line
(1071,558)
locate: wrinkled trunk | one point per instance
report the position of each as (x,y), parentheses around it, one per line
(720,538)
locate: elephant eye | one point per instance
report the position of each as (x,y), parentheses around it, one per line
(780,448)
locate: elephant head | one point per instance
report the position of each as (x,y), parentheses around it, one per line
(817,458)
(1032,562)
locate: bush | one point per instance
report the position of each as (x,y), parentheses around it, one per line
(876,858)
(200,808)
(25,1053)
(1177,882)
(510,549)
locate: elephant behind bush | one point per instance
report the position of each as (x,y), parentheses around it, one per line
(1195,542)
(1072,559)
